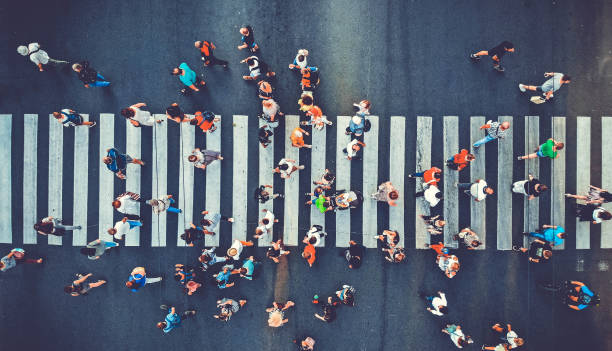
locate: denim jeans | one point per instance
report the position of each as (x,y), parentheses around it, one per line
(134,224)
(101,82)
(484,140)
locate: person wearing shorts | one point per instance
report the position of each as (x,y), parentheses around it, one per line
(549,149)
(69,118)
(117,162)
(496,54)
(550,86)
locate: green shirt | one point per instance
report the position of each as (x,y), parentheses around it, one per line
(319,203)
(547,149)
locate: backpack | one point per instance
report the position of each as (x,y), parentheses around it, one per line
(367,126)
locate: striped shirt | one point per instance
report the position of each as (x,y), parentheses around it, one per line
(495,130)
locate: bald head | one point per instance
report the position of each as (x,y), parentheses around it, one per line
(505,125)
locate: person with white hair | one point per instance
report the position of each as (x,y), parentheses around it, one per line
(38,56)
(163,203)
(356,127)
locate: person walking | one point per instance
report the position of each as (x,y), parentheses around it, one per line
(395,254)
(550,86)
(96,248)
(89,76)
(128,203)
(309,253)
(222,278)
(265,89)
(227,308)
(449,264)
(317,120)
(265,225)
(353,148)
(210,224)
(257,68)
(477,190)
(14,257)
(431,194)
(262,195)
(248,39)
(185,275)
(435,224)
(138,117)
(138,279)
(300,61)
(286,167)
(310,79)
(437,304)
(354,254)
(208,258)
(173,319)
(552,234)
(54,226)
(530,187)
(430,176)
(206,50)
(247,270)
(363,108)
(297,138)
(592,213)
(305,344)
(277,250)
(122,227)
(496,54)
(329,313)
(512,339)
(69,118)
(468,238)
(314,235)
(37,55)
(456,335)
(205,120)
(326,180)
(460,161)
(117,162)
(386,193)
(549,149)
(276,313)
(306,101)
(495,130)
(163,203)
(193,234)
(188,77)
(175,114)
(356,127)
(389,238)
(264,133)
(202,158)
(539,251)
(595,195)
(236,249)
(270,112)
(79,287)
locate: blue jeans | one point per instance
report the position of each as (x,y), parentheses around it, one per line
(418,174)
(134,224)
(173,209)
(101,82)
(109,244)
(484,140)
(537,235)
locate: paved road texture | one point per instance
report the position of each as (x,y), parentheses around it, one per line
(409,59)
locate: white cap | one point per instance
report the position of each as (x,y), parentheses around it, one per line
(22,50)
(356,119)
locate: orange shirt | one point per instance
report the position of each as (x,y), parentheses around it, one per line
(310,250)
(428,176)
(203,124)
(295,139)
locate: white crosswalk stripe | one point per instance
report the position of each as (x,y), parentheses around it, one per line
(30,182)
(56,158)
(293,204)
(266,177)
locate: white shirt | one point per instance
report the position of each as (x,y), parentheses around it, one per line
(122,229)
(511,337)
(238,246)
(163,202)
(143,117)
(302,64)
(286,172)
(596,213)
(64,118)
(313,232)
(349,148)
(430,195)
(477,190)
(266,228)
(456,335)
(39,56)
(437,302)
(446,262)
(199,158)
(273,110)
(128,205)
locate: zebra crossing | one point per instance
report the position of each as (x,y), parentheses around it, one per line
(293,203)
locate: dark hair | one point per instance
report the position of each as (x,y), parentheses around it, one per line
(183,236)
(127,112)
(193,122)
(204,258)
(250,62)
(44,227)
(444,310)
(326,204)
(243,270)
(205,222)
(88,251)
(300,58)
(507,45)
(560,146)
(476,243)
(566,77)
(439,195)
(547,254)
(177,73)
(329,177)
(68,289)
(393,195)
(265,221)
(307,100)
(283,167)
(543,188)
(312,240)
(605,215)
(178,276)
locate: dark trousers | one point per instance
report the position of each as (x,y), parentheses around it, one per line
(212,60)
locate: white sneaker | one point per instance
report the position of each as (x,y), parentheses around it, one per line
(522,88)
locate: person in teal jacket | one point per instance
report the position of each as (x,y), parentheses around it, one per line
(188,77)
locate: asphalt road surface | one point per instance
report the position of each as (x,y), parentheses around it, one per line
(410,59)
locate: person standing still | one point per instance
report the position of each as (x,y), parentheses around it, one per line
(206,50)
(89,76)
(495,130)
(496,54)
(38,56)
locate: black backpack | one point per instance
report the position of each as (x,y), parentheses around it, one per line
(367,126)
